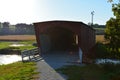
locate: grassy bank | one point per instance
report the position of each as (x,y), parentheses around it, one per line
(5,47)
(27,44)
(92,72)
(18,71)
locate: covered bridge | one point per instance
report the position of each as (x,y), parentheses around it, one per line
(64,36)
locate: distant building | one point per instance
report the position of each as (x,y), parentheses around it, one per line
(5,27)
(24,29)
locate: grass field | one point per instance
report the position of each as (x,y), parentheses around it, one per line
(92,72)
(18,71)
(27,45)
(7,40)
(17,37)
(32,37)
(100,38)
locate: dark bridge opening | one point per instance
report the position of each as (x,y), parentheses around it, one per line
(62,39)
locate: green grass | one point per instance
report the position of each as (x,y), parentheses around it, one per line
(91,72)
(18,71)
(6,49)
(28,45)
(26,42)
(99,29)
(4,44)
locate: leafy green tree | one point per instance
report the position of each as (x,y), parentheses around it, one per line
(112,32)
(110,0)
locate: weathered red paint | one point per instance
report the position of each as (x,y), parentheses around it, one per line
(86,34)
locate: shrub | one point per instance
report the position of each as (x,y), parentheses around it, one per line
(101,50)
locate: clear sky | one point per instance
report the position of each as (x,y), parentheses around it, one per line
(30,11)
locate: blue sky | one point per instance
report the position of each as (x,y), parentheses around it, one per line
(30,11)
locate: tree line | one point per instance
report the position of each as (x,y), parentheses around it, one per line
(19,29)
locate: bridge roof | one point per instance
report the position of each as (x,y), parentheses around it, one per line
(63,21)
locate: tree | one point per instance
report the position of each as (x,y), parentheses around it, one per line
(112,32)
(110,0)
